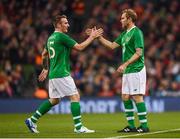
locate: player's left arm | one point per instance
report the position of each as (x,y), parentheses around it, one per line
(45,65)
(135,57)
(138,44)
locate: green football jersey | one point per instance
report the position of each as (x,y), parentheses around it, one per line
(130,40)
(59,47)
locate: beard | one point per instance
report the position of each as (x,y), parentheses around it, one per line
(124,27)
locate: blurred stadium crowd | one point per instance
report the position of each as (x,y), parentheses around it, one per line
(25,26)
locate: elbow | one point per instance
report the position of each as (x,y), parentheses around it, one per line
(139,54)
(78,47)
(111,47)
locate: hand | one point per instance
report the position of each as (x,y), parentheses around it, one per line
(94,32)
(122,68)
(88,31)
(43,75)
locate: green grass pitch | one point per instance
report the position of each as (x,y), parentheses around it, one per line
(106,125)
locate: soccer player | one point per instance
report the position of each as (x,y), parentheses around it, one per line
(56,62)
(133,70)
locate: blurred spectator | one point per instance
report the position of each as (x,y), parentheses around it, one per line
(5,88)
(78,13)
(25,25)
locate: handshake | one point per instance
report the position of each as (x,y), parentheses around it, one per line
(94,32)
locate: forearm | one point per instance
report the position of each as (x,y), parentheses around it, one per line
(45,60)
(132,59)
(84,44)
(135,57)
(45,63)
(106,43)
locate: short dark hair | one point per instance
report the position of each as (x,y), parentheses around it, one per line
(57,19)
(130,13)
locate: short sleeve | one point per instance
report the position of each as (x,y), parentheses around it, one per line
(68,41)
(118,39)
(138,39)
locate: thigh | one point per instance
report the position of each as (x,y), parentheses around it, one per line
(125,85)
(61,87)
(137,82)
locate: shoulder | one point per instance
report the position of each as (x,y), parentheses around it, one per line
(124,32)
(63,35)
(121,34)
(138,30)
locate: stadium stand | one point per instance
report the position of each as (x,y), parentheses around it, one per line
(25,26)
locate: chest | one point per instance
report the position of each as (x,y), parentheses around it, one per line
(127,39)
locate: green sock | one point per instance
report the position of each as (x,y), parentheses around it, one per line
(142,113)
(43,108)
(129,110)
(76,113)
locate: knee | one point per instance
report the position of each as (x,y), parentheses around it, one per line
(75,98)
(138,99)
(54,101)
(125,97)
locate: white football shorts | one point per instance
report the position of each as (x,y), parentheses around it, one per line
(134,83)
(61,87)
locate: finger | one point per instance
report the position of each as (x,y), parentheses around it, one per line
(88,31)
(93,29)
(100,34)
(119,70)
(100,30)
(40,78)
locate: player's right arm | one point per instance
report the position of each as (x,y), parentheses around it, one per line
(107,43)
(93,34)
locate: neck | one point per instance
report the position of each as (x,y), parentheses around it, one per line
(58,30)
(131,25)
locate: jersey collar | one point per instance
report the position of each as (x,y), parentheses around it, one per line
(57,31)
(131,28)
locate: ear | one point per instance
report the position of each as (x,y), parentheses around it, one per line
(130,19)
(58,25)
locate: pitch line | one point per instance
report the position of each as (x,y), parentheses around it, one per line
(150,133)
